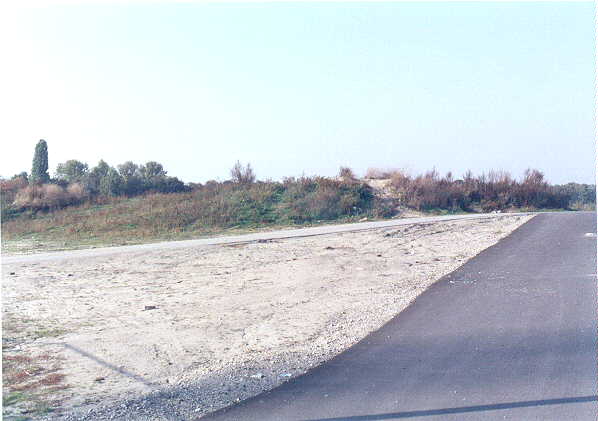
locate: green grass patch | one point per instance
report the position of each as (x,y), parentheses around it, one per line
(48,333)
(12,398)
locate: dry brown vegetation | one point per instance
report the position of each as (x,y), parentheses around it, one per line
(71,215)
(49,196)
(495,190)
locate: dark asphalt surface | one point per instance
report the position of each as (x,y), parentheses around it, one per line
(510,335)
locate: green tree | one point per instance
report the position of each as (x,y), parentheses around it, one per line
(128,169)
(111,183)
(95,175)
(133,183)
(152,172)
(153,175)
(71,171)
(39,169)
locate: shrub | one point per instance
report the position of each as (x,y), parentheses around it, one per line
(242,175)
(9,188)
(8,193)
(170,185)
(48,196)
(346,174)
(77,191)
(319,198)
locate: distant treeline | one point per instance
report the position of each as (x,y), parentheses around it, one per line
(74,182)
(243,199)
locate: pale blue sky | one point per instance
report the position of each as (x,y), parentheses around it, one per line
(303,88)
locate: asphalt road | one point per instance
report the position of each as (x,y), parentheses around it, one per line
(510,335)
(264,235)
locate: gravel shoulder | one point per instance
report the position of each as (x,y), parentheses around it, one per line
(176,333)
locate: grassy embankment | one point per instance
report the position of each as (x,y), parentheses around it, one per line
(232,208)
(220,209)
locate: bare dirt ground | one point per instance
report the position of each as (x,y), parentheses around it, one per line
(174,334)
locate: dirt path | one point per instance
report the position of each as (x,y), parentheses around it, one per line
(8,258)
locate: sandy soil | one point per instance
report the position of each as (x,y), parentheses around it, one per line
(230,320)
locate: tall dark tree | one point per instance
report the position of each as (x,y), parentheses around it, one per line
(39,169)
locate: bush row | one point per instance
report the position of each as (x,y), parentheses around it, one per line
(243,200)
(496,190)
